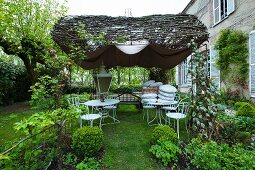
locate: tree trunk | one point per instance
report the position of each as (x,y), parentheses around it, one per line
(29,67)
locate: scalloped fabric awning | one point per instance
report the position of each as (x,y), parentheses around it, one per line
(168,37)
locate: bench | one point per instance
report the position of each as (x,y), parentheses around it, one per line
(129,99)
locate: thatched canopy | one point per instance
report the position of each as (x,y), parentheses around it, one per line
(168,36)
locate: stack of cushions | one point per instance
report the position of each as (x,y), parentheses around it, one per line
(151,86)
(156,84)
(148,83)
(149,97)
(167,92)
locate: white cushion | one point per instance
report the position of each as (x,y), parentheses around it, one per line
(165,98)
(156,84)
(149,95)
(148,83)
(167,94)
(167,89)
(164,101)
(148,100)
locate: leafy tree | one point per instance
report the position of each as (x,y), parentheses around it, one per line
(25,28)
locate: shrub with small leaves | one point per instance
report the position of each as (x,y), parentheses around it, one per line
(246,109)
(87,140)
(210,155)
(164,132)
(166,151)
(88,164)
(240,104)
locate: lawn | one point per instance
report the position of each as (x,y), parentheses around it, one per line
(8,116)
(126,143)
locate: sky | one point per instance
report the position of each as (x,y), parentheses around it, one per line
(118,7)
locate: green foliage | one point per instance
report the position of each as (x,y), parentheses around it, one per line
(240,104)
(70,159)
(46,93)
(88,164)
(128,76)
(79,89)
(210,155)
(21,23)
(125,89)
(9,81)
(45,141)
(158,75)
(228,97)
(164,133)
(233,54)
(41,120)
(234,129)
(87,140)
(35,153)
(2,157)
(245,109)
(166,151)
(202,111)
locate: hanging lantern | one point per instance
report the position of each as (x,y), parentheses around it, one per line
(103,81)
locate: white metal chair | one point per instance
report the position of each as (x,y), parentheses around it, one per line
(74,101)
(90,117)
(112,108)
(147,107)
(172,107)
(181,113)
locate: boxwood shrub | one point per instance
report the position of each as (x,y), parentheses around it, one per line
(245,109)
(164,132)
(87,140)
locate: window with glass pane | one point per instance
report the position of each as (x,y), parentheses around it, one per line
(252,63)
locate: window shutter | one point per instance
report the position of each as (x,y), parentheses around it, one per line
(177,75)
(189,80)
(252,62)
(214,71)
(216,11)
(230,6)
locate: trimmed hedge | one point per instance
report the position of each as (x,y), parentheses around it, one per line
(87,140)
(164,133)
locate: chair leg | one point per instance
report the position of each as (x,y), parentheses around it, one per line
(148,115)
(80,123)
(100,123)
(178,130)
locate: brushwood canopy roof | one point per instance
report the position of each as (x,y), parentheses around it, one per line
(168,37)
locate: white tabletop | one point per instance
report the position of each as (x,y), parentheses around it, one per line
(162,103)
(98,103)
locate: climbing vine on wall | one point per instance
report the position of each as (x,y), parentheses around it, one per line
(233,55)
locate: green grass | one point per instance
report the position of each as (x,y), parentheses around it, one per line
(127,143)
(8,134)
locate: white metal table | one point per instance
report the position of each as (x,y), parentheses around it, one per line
(100,104)
(159,104)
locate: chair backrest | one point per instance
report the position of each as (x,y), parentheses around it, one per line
(183,107)
(74,101)
(177,97)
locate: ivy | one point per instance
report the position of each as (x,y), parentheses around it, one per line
(233,55)
(202,112)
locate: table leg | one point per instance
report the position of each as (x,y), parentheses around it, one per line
(91,122)
(159,114)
